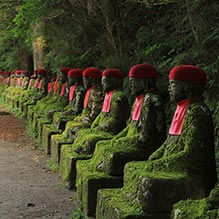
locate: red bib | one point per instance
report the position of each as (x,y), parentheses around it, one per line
(87,95)
(30,83)
(35,82)
(11,81)
(55,86)
(23,82)
(71,92)
(40,84)
(178,118)
(49,87)
(137,107)
(18,81)
(62,92)
(107,101)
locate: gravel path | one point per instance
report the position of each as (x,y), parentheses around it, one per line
(28,189)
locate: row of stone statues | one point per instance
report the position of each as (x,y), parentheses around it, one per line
(118,157)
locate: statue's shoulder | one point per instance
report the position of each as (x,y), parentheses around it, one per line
(80,88)
(119,95)
(153,99)
(198,108)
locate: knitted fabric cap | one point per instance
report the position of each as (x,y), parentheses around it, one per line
(92,72)
(113,73)
(65,70)
(17,72)
(7,73)
(75,73)
(188,73)
(42,72)
(143,71)
(23,71)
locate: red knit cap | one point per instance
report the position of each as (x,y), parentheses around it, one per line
(92,72)
(65,70)
(23,71)
(143,71)
(17,72)
(75,73)
(113,73)
(7,73)
(42,72)
(188,73)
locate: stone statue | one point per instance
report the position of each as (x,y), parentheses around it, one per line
(113,117)
(36,91)
(91,108)
(76,93)
(56,103)
(182,168)
(111,120)
(203,208)
(142,136)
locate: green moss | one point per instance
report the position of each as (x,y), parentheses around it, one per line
(206,208)
(78,214)
(52,165)
(87,138)
(190,209)
(115,206)
(65,164)
(105,149)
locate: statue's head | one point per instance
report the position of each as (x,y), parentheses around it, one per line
(24,73)
(186,81)
(6,74)
(42,73)
(17,73)
(91,76)
(112,79)
(142,77)
(75,76)
(35,75)
(64,74)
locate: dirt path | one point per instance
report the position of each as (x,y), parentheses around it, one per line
(28,189)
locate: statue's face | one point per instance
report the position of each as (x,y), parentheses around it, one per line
(107,84)
(177,90)
(137,86)
(88,82)
(63,78)
(71,81)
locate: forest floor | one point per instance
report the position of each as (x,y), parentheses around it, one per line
(28,188)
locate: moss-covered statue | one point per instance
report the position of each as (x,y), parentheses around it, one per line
(22,84)
(198,209)
(13,90)
(182,168)
(143,135)
(52,90)
(5,76)
(91,108)
(76,95)
(56,103)
(38,90)
(111,120)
